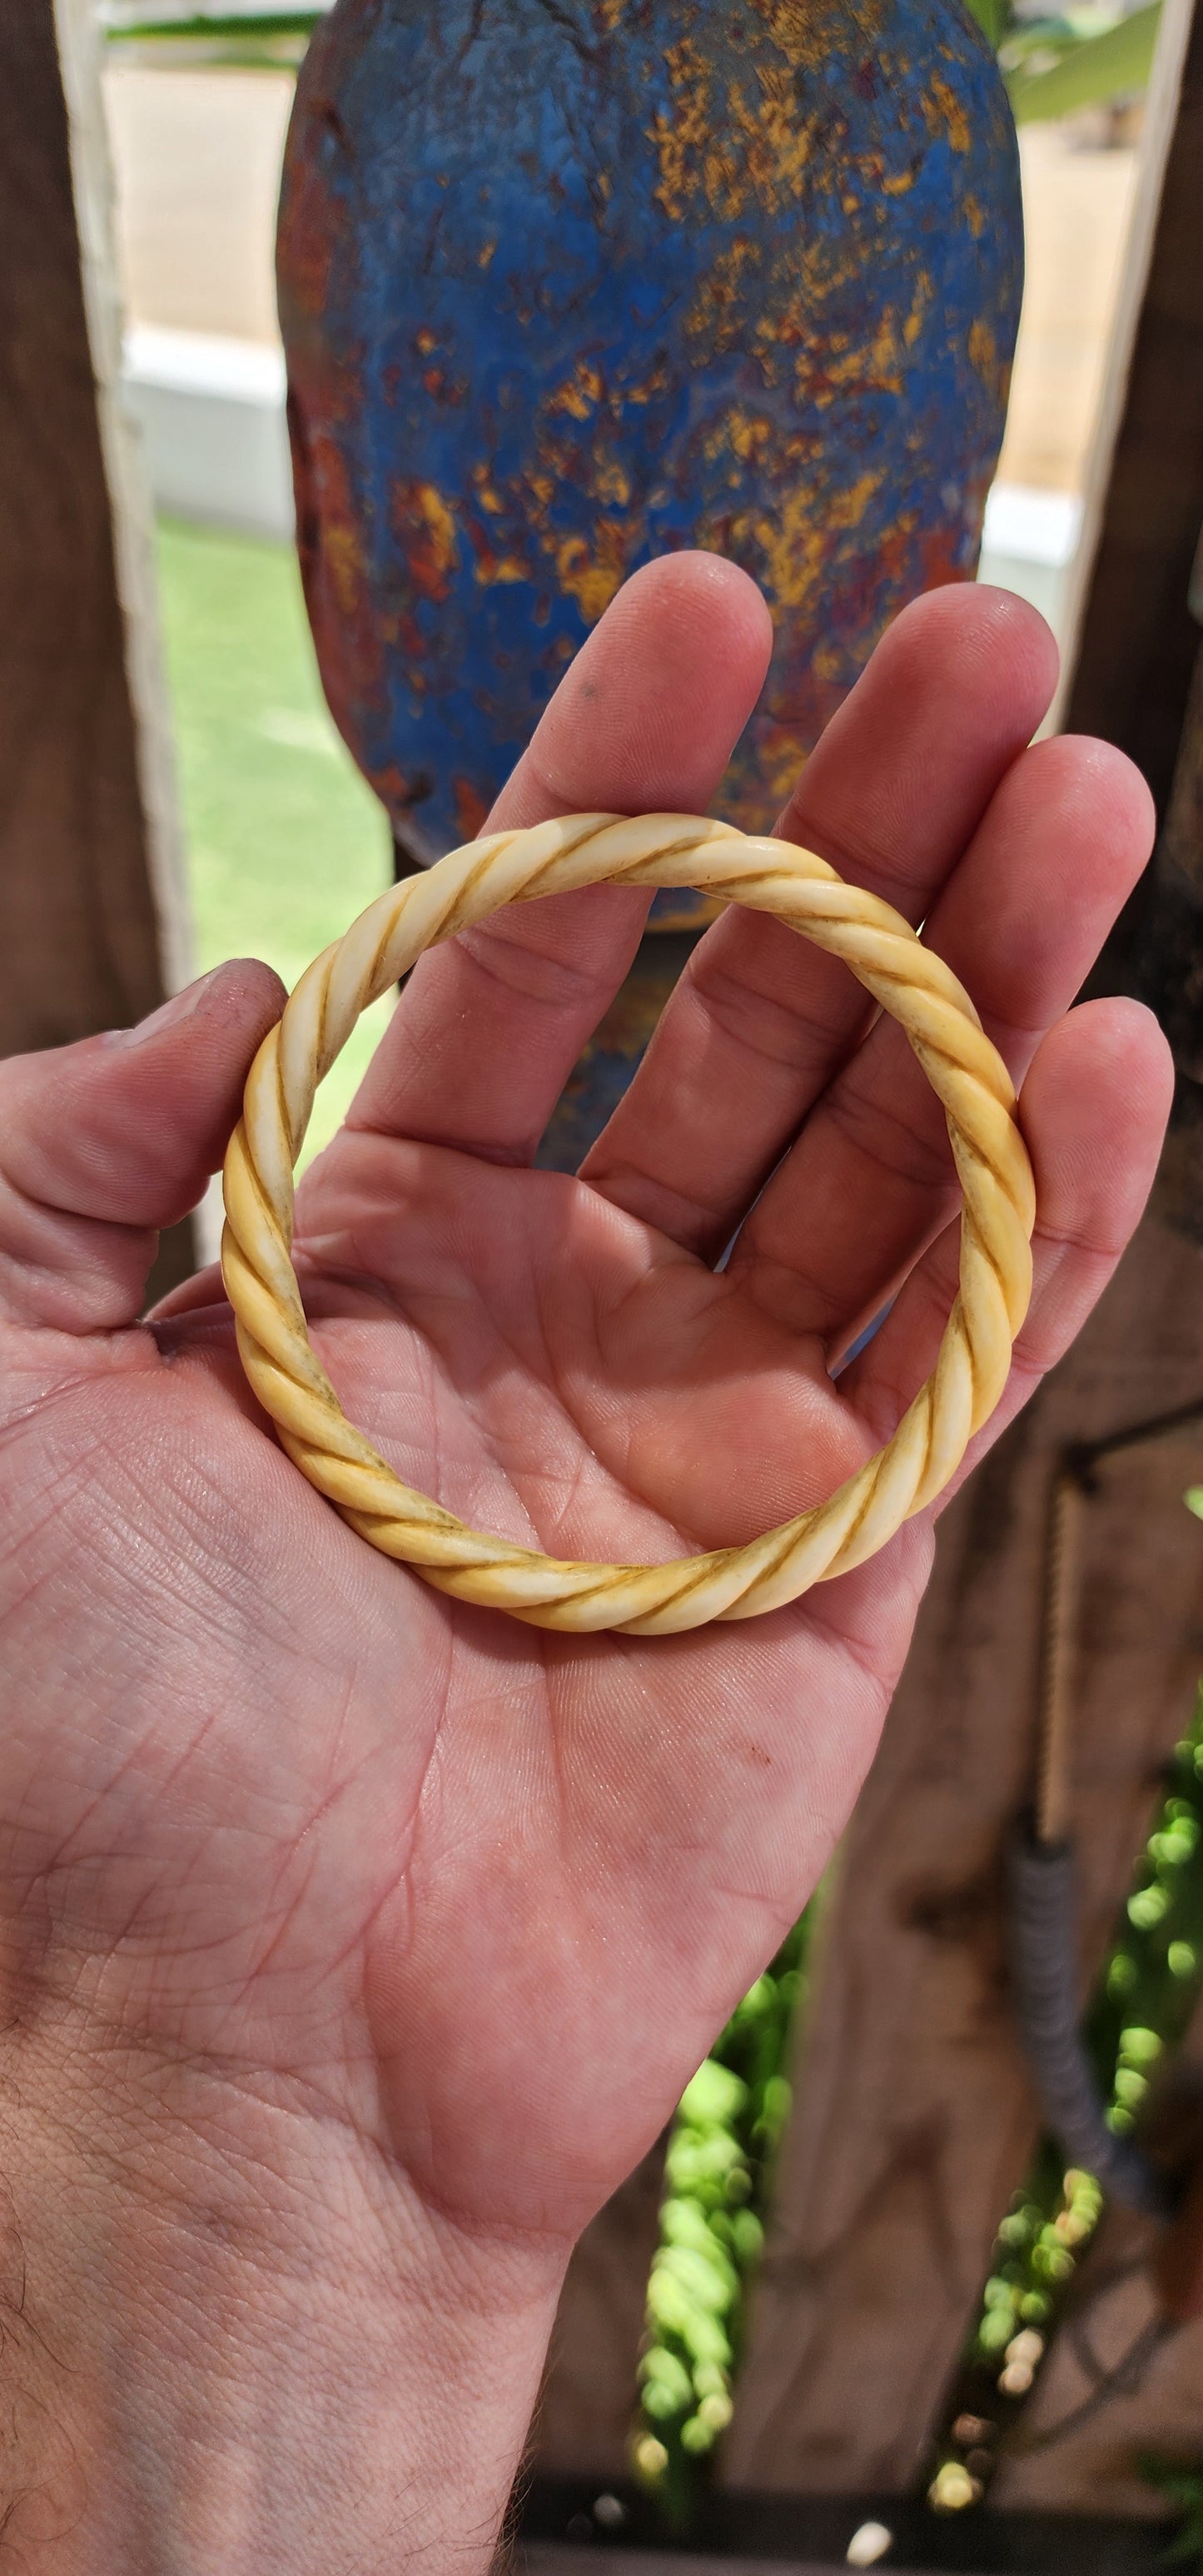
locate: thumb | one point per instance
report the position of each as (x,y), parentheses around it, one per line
(104,1142)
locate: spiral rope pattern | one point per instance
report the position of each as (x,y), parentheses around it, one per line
(964,1069)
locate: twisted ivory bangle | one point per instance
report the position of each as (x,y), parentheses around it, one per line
(964,1069)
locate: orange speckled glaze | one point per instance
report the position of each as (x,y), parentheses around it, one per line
(568,283)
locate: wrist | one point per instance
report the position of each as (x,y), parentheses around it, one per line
(234,2338)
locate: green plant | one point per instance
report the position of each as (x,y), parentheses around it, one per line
(1153,1976)
(1084,56)
(1182,2485)
(188,20)
(247,36)
(269,791)
(717,2167)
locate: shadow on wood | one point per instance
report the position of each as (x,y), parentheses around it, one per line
(84,943)
(915,2117)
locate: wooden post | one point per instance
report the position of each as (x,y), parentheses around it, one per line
(1137,638)
(93,926)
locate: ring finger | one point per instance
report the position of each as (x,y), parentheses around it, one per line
(870,1180)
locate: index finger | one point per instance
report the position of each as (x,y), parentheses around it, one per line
(490,1025)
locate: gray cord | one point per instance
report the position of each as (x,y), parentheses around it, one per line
(1044,1962)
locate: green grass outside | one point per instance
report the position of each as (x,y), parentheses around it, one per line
(285,841)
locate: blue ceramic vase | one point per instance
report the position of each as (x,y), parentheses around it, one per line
(565,284)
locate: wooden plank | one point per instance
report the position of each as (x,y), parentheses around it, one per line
(1092,2466)
(1078,2444)
(915,2117)
(583,2421)
(1144,503)
(130,510)
(86,805)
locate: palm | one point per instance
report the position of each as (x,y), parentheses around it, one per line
(452,1844)
(481,1893)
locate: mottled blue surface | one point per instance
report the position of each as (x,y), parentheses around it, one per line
(566,284)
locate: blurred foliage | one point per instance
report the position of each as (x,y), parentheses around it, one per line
(1144,1999)
(717,2169)
(253,36)
(1182,2487)
(719,2163)
(285,839)
(1061,65)
(1053,64)
(1057,63)
(1153,1976)
(191,19)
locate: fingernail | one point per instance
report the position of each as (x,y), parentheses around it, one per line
(168,1016)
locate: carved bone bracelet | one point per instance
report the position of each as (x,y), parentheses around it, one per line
(964,1069)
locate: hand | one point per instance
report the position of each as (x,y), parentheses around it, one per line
(358,1943)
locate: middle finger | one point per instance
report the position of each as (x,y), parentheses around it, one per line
(759,1021)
